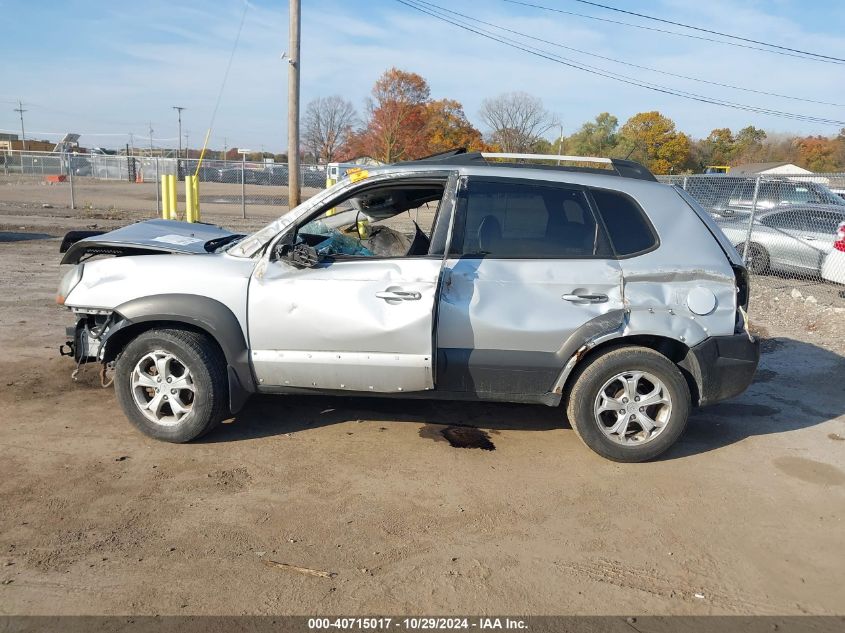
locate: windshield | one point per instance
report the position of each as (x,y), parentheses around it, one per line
(375,205)
(825,195)
(251,244)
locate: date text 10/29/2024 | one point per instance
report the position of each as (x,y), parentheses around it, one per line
(417,624)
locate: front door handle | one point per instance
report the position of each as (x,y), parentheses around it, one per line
(399,295)
(585,298)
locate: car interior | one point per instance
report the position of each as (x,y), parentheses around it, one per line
(384,221)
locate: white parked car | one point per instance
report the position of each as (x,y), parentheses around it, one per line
(833,268)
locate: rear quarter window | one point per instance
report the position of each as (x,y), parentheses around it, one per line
(629,230)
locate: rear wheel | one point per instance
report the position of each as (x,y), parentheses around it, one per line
(757,261)
(629,404)
(171,384)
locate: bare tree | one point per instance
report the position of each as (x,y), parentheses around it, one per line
(516,120)
(327,125)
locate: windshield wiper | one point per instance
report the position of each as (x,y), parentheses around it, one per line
(222,243)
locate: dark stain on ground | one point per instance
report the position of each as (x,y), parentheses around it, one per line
(769,345)
(765,375)
(811,471)
(736,409)
(14,236)
(836,436)
(458,436)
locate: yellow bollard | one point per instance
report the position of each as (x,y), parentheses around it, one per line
(171,195)
(196,199)
(165,199)
(189,198)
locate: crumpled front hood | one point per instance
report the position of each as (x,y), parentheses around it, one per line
(150,237)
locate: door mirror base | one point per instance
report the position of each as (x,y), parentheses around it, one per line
(303,256)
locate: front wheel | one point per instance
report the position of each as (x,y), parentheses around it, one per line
(629,404)
(171,384)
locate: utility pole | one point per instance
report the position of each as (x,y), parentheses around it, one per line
(560,143)
(294,197)
(187,136)
(132,143)
(20,111)
(179,115)
(225,147)
(151,139)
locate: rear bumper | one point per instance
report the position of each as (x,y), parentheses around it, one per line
(723,366)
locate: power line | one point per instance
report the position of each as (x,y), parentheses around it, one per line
(631,64)
(687,35)
(703,30)
(621,78)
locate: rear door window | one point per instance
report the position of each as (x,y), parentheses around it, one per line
(823,221)
(521,219)
(785,221)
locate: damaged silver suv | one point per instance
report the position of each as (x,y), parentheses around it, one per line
(596,289)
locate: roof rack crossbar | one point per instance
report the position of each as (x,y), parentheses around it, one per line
(571,159)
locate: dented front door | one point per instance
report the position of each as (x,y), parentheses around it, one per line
(349,324)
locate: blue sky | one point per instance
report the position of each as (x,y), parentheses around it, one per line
(106,69)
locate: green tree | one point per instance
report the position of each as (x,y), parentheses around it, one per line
(594,138)
(720,147)
(748,145)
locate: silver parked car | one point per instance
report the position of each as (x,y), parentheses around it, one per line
(793,239)
(599,290)
(776,192)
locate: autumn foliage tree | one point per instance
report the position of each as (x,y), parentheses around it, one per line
(404,123)
(396,127)
(652,139)
(448,127)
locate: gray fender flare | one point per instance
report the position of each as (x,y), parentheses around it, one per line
(208,315)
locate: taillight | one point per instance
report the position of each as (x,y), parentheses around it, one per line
(839,244)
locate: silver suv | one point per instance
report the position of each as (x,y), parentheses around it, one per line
(596,289)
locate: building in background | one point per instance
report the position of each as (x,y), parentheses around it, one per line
(750,170)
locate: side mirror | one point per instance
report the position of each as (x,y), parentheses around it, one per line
(303,256)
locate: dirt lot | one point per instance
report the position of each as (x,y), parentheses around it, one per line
(744,515)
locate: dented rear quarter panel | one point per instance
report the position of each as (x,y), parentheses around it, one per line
(657,284)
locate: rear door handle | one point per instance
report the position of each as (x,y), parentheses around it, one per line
(585,298)
(399,295)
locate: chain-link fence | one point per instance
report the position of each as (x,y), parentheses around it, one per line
(132,183)
(790,225)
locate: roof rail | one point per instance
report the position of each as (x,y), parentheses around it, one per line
(618,166)
(569,159)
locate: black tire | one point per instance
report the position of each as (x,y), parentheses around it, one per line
(589,380)
(207,366)
(758,258)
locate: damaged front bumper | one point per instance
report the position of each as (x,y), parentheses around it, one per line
(84,342)
(723,366)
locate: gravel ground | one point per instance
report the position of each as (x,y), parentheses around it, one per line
(743,516)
